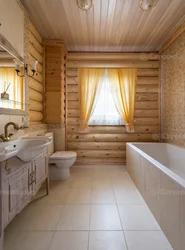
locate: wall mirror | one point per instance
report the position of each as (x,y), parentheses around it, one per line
(13,99)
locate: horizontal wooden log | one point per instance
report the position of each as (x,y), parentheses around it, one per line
(54,43)
(148,72)
(36,44)
(101,153)
(114,129)
(35,95)
(138,121)
(147,96)
(35,85)
(112,137)
(140,88)
(141,80)
(39,66)
(138,113)
(38,77)
(35,106)
(35,53)
(73,72)
(81,160)
(102,56)
(113,64)
(139,96)
(96,145)
(35,32)
(35,116)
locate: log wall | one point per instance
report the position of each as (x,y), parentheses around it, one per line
(55,71)
(107,144)
(36,83)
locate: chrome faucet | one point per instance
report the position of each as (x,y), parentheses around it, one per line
(6,136)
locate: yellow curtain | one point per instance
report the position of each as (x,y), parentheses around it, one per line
(123,87)
(90,82)
(15,90)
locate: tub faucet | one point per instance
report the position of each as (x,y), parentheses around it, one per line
(6,136)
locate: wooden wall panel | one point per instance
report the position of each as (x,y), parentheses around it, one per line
(55,71)
(107,144)
(35,83)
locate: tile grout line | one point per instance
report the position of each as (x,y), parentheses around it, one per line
(88,244)
(118,211)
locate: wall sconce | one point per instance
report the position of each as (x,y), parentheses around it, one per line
(85,4)
(147,4)
(33,69)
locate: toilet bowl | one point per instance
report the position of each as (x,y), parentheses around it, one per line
(60,161)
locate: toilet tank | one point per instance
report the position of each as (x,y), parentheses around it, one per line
(51,145)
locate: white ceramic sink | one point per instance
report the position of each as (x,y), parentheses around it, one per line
(25,149)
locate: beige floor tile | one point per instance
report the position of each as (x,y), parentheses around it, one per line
(79,196)
(70,240)
(101,183)
(104,217)
(102,196)
(39,240)
(57,197)
(82,182)
(82,171)
(134,217)
(75,217)
(107,240)
(128,197)
(37,218)
(146,240)
(61,185)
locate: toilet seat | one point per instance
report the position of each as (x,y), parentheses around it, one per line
(63,155)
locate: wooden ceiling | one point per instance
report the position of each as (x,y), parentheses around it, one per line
(111,25)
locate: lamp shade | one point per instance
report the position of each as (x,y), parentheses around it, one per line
(147,4)
(84,4)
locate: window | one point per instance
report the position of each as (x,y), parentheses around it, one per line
(105,112)
(14,85)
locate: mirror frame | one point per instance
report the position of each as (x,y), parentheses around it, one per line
(4,43)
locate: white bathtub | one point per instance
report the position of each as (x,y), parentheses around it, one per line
(169,158)
(158,170)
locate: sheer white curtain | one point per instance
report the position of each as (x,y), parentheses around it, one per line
(105,112)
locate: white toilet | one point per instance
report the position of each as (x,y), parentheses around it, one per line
(60,161)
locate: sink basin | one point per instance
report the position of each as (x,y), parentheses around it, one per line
(24,149)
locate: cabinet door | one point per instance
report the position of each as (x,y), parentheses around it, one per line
(40,172)
(19,191)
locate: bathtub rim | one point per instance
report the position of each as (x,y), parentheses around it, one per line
(180,180)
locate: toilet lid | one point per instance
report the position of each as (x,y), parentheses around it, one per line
(63,155)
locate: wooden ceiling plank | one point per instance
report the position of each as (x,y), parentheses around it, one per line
(109,24)
(148,27)
(104,16)
(172,39)
(131,13)
(116,30)
(165,23)
(62,23)
(176,11)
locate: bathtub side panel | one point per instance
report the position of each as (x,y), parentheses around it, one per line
(170,199)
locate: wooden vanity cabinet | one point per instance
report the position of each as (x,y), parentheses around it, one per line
(20,182)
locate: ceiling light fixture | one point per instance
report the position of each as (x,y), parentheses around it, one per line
(147,4)
(85,4)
